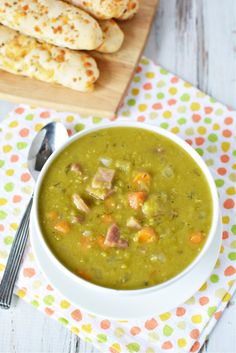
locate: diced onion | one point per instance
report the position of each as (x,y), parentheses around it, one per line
(106,161)
(87,233)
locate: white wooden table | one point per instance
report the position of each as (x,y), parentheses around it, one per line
(196,39)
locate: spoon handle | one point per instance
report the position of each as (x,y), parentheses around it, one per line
(14,259)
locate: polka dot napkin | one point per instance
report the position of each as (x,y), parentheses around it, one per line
(156,97)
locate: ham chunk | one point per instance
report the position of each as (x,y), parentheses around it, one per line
(75,167)
(103,178)
(78,219)
(80,204)
(113,239)
(99,194)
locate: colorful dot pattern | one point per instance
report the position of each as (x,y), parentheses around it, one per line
(155,97)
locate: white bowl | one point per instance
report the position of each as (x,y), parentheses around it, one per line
(135,292)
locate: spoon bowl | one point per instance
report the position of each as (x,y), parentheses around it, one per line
(47,140)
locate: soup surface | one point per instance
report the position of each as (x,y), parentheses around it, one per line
(125,208)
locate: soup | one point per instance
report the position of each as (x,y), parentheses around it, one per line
(125,208)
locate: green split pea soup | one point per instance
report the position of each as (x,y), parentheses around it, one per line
(125,208)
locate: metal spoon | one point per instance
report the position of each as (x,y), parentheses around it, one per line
(48,139)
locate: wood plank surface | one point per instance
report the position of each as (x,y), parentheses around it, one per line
(196,39)
(116,71)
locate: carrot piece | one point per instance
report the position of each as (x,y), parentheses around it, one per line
(52,215)
(85,243)
(136,199)
(62,227)
(146,235)
(196,238)
(85,275)
(107,219)
(142,180)
(100,241)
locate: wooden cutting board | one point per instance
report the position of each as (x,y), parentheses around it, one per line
(116,72)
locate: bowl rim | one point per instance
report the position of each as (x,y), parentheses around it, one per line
(144,126)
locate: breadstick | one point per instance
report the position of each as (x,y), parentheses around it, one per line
(102,9)
(113,36)
(52,21)
(131,10)
(23,55)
